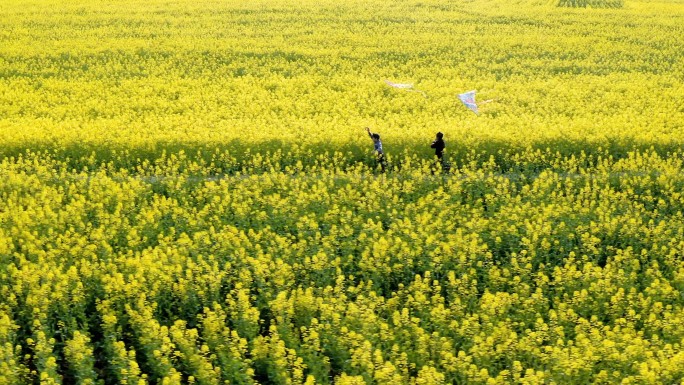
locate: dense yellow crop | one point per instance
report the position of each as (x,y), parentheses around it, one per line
(187,194)
(572,275)
(272,74)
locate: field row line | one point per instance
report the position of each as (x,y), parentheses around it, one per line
(514,176)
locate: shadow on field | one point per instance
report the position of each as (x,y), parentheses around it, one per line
(254,157)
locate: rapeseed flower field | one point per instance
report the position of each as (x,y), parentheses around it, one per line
(188,195)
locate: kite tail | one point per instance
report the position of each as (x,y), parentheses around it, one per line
(419,91)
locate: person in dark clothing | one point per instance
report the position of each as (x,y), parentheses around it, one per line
(439,147)
(377,146)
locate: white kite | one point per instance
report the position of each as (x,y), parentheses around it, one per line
(404,86)
(468,98)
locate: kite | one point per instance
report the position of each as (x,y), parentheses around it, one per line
(404,86)
(468,98)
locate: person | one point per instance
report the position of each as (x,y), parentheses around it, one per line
(439,147)
(377,145)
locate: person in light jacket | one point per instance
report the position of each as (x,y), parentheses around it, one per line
(377,146)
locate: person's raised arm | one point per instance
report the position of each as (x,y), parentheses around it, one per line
(369,132)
